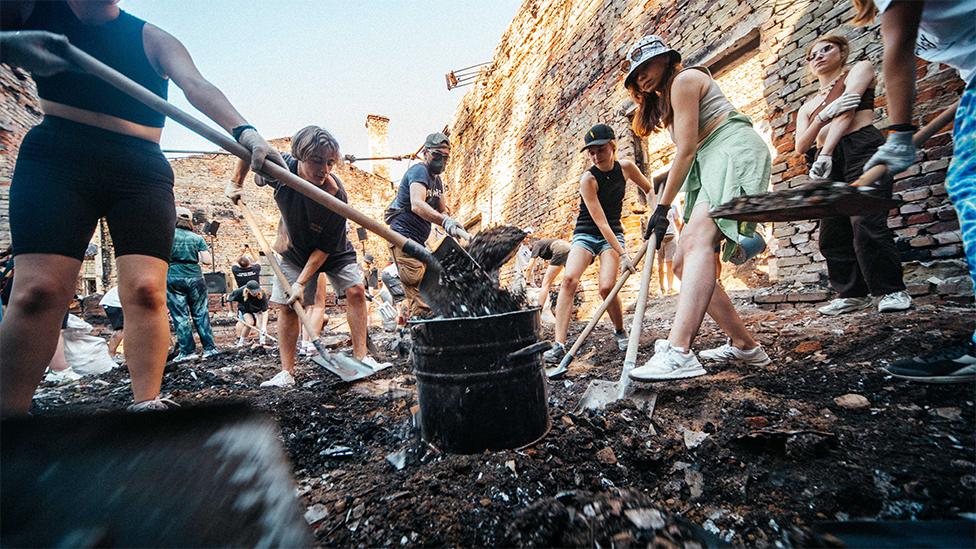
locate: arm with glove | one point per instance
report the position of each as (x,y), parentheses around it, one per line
(842,112)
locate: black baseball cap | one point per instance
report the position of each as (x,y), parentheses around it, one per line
(252,285)
(598,135)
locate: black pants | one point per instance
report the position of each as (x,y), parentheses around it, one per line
(860,251)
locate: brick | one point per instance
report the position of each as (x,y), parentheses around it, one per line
(770,298)
(808,297)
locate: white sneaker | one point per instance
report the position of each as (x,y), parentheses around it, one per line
(897,301)
(159,403)
(668,363)
(730,353)
(281,379)
(62,377)
(547,317)
(372,363)
(842,305)
(184,358)
(240,342)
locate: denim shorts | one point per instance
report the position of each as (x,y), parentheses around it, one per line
(596,245)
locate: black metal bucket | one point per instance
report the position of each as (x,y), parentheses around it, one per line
(480,381)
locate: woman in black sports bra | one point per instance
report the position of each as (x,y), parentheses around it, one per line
(96,154)
(835,129)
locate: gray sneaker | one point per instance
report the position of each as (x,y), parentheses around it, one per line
(730,353)
(896,301)
(157,404)
(211,352)
(555,354)
(184,358)
(623,338)
(844,305)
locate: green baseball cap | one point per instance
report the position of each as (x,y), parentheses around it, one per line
(436,139)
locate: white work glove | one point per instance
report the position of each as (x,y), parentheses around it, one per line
(898,153)
(452,227)
(840,105)
(626,264)
(821,167)
(40,52)
(233,191)
(296,292)
(260,150)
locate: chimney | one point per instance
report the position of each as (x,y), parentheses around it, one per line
(379,143)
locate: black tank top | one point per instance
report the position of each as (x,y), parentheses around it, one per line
(118,44)
(610,193)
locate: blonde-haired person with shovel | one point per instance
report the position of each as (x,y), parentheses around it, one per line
(598,233)
(95,154)
(317,243)
(719,156)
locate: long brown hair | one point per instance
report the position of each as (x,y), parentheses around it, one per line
(866,12)
(654,109)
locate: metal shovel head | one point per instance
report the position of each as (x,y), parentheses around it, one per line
(344,366)
(191,477)
(812,201)
(601,392)
(443,298)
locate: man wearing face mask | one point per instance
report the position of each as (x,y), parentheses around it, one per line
(418,204)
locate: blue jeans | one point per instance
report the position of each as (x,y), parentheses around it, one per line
(596,245)
(960,181)
(186,298)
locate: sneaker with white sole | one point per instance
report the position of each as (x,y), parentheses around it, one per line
(730,353)
(897,301)
(951,364)
(184,358)
(668,363)
(158,404)
(844,305)
(62,377)
(374,364)
(211,352)
(555,354)
(623,338)
(281,379)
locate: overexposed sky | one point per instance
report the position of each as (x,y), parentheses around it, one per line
(289,63)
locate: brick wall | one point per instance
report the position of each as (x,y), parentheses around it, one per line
(19,112)
(555,73)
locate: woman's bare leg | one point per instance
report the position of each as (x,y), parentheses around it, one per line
(579,259)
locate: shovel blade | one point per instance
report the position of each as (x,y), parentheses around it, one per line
(190,477)
(345,366)
(599,393)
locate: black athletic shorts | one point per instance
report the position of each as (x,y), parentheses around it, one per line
(68,175)
(115,317)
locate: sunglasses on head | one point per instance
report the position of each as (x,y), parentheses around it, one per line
(639,51)
(814,53)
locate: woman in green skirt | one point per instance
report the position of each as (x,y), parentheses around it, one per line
(719,157)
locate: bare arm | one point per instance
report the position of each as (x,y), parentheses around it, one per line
(686,92)
(588,189)
(311,268)
(899,29)
(633,173)
(807,129)
(419,205)
(170,58)
(857,81)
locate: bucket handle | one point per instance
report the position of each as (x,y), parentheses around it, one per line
(530,350)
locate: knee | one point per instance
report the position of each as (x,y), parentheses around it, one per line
(356,293)
(605,290)
(39,294)
(569,283)
(145,293)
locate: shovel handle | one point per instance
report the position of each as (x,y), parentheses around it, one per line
(925,133)
(630,359)
(113,77)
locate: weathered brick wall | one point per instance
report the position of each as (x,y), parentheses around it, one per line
(19,112)
(516,134)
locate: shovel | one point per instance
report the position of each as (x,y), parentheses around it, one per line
(563,366)
(340,364)
(601,392)
(206,476)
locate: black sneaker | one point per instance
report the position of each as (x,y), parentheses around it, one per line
(954,364)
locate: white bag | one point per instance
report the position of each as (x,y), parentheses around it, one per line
(86,354)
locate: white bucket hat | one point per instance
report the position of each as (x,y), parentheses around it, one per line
(644,50)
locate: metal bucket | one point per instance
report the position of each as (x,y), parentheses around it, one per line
(480,381)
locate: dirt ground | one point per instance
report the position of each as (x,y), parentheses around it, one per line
(745,455)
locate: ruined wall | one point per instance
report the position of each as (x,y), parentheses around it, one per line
(556,72)
(19,112)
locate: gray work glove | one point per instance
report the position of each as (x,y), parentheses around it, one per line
(452,227)
(260,150)
(233,191)
(40,52)
(898,153)
(842,104)
(821,167)
(626,264)
(658,224)
(295,293)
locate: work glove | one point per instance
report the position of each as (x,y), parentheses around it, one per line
(626,264)
(452,227)
(840,105)
(260,150)
(233,191)
(658,224)
(821,167)
(295,293)
(40,52)
(898,153)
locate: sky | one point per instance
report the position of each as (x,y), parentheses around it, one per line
(286,64)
